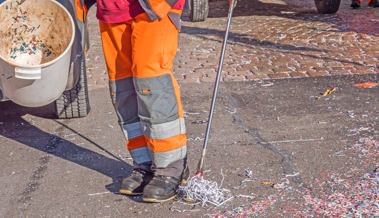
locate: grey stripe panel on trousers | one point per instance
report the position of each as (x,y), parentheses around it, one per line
(132,130)
(140,155)
(124,99)
(164,130)
(156,99)
(163,159)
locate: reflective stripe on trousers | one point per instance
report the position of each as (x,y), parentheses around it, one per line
(139,55)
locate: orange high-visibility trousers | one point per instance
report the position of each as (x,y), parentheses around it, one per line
(139,56)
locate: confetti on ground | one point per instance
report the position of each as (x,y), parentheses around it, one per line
(327,92)
(330,194)
(350,199)
(254,209)
(203,191)
(367,85)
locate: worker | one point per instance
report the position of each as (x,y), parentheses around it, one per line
(357,3)
(140,39)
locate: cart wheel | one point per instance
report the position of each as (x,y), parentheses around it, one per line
(74,103)
(327,6)
(198,10)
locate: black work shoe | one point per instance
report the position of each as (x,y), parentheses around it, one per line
(355,4)
(136,182)
(374,3)
(164,188)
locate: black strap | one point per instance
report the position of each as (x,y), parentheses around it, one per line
(171,2)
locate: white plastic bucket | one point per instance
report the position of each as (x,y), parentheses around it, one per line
(35,82)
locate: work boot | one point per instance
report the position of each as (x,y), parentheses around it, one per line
(374,3)
(164,188)
(355,4)
(136,182)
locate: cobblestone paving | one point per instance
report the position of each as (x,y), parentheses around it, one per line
(269,39)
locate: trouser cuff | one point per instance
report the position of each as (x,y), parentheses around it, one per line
(174,169)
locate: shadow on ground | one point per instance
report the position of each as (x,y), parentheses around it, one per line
(15,127)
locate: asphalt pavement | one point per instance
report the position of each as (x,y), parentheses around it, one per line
(274,141)
(277,144)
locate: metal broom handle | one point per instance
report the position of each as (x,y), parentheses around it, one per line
(200,168)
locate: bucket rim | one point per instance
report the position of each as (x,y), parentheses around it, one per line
(62,54)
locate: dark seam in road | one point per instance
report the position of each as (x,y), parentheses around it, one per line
(34,184)
(287,157)
(40,172)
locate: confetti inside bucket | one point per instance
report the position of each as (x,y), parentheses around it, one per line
(31,35)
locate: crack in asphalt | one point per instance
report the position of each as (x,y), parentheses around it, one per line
(34,183)
(287,158)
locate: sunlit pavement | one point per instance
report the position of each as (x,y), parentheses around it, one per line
(278,145)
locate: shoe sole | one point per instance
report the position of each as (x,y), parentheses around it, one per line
(154,200)
(128,192)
